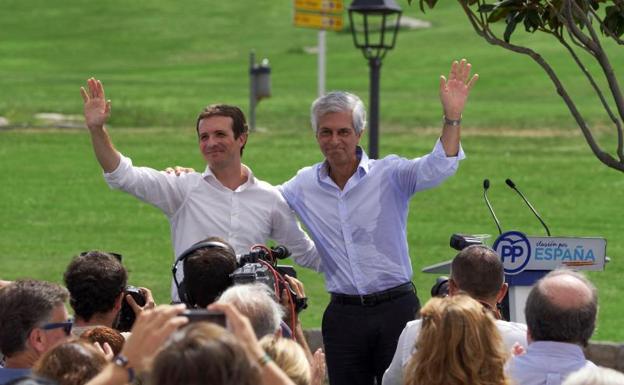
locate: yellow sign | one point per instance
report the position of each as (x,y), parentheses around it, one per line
(320,6)
(318,20)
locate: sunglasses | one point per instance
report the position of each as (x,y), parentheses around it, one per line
(66,326)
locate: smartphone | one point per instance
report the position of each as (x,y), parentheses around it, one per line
(195,315)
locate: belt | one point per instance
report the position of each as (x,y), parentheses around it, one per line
(374,298)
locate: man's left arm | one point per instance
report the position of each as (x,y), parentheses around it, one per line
(453,95)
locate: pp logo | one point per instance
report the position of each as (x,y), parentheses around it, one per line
(515,251)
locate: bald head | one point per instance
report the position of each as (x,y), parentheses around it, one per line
(562,307)
(566,291)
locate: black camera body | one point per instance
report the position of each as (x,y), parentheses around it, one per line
(259,265)
(126,317)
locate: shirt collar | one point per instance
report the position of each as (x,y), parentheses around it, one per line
(208,176)
(362,169)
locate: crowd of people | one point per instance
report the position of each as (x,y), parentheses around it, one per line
(458,339)
(221,329)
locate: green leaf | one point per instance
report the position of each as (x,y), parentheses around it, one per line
(512,20)
(498,14)
(532,21)
(485,8)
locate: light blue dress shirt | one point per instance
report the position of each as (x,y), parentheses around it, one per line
(360,231)
(547,363)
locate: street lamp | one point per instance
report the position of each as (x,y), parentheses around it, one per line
(374,25)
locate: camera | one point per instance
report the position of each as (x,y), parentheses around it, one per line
(203,315)
(260,265)
(126,316)
(461,241)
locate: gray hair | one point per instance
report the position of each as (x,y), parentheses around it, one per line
(26,304)
(339,101)
(257,302)
(595,376)
(548,321)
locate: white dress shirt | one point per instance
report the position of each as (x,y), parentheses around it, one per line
(199,206)
(547,363)
(511,332)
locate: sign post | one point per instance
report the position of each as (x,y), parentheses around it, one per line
(322,15)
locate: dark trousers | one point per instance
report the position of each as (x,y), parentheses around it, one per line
(360,340)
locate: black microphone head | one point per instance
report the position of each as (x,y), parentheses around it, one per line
(510,183)
(486,184)
(280,252)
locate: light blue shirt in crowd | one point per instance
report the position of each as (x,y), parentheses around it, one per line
(547,363)
(360,231)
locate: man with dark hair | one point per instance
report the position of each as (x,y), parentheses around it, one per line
(96,282)
(226,200)
(477,271)
(207,273)
(33,319)
(561,314)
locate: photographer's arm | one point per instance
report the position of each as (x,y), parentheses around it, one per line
(96,111)
(240,326)
(149,332)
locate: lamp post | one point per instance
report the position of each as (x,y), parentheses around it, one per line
(374,26)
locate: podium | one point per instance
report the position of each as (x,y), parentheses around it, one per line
(526,259)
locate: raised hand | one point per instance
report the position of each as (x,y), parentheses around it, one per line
(454,90)
(96,108)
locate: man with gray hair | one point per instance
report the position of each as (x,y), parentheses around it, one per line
(256,302)
(33,319)
(356,208)
(561,314)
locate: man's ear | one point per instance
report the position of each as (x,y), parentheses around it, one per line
(501,293)
(37,340)
(452,287)
(119,301)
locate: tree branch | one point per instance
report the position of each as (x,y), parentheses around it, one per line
(485,33)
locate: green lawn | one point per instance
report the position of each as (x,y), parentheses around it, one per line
(162,61)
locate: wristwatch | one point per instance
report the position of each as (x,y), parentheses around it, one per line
(451,122)
(122,361)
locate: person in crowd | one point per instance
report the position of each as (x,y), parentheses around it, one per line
(96,282)
(33,320)
(478,272)
(257,303)
(104,335)
(207,271)
(595,376)
(561,314)
(458,344)
(355,209)
(203,353)
(152,330)
(73,362)
(290,357)
(226,200)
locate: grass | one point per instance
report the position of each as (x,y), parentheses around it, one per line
(56,204)
(162,61)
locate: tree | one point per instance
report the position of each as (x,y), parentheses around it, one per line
(578,25)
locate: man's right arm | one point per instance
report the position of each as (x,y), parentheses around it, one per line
(159,189)
(96,111)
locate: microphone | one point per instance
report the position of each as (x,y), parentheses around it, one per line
(511,184)
(280,252)
(486,186)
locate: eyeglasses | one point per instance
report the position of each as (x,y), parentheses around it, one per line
(67,326)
